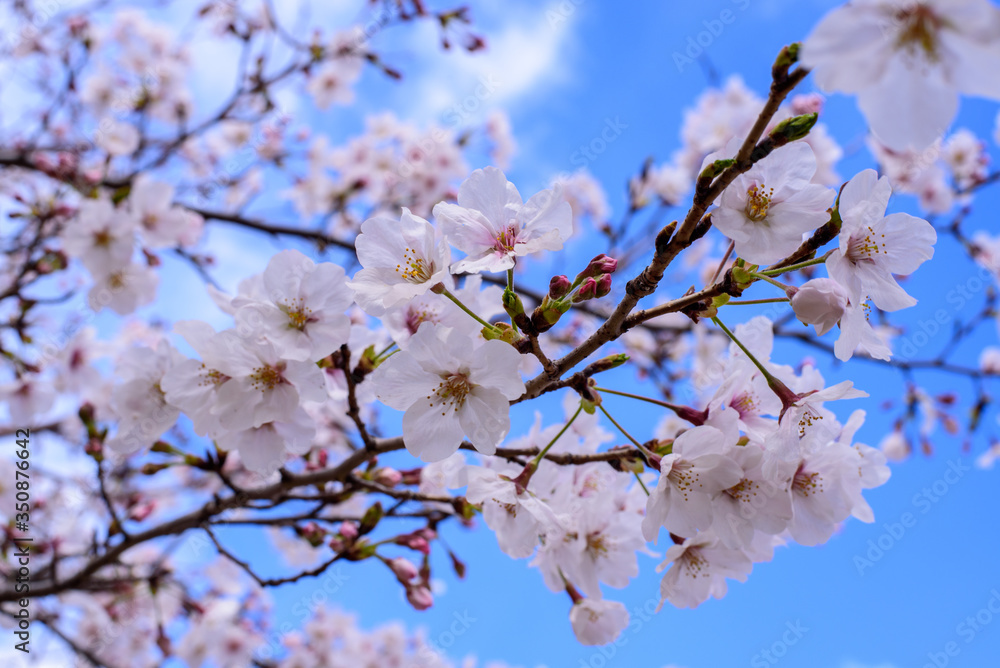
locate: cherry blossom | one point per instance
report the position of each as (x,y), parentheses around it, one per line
(874,246)
(262,386)
(102,236)
(767,210)
(598,622)
(907,63)
(400,259)
(303,314)
(492,225)
(441,375)
(699,568)
(699,465)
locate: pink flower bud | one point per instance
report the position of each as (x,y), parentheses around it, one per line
(588,290)
(820,302)
(348,530)
(559,286)
(388,477)
(411,476)
(142,511)
(414,542)
(602,264)
(810,103)
(420,597)
(604,285)
(403,569)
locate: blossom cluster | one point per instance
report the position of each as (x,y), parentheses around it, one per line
(427,316)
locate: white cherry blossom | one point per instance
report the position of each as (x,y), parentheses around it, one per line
(907,62)
(493,226)
(699,568)
(700,465)
(598,622)
(766,210)
(874,246)
(400,259)
(450,389)
(303,313)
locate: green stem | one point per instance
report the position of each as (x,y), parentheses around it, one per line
(510,286)
(540,455)
(745,302)
(664,404)
(770,280)
(384,351)
(621,429)
(767,374)
(458,302)
(793,267)
(641,483)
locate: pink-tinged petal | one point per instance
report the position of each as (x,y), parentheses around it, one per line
(882,288)
(863,200)
(731,222)
(262,450)
(400,380)
(488,190)
(852,326)
(496,365)
(278,404)
(307,379)
(909,242)
(485,418)
(896,118)
(490,260)
(547,214)
(235,404)
(428,434)
(847,49)
(842,270)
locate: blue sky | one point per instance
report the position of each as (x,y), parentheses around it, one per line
(892,594)
(563,72)
(888,595)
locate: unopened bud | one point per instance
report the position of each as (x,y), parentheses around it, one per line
(387,477)
(559,286)
(603,285)
(794,128)
(348,530)
(601,264)
(403,569)
(420,597)
(587,290)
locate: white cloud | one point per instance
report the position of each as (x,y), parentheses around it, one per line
(528,52)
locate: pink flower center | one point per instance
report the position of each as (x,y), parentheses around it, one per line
(505,240)
(758,202)
(413,269)
(866,246)
(451,392)
(267,377)
(807,483)
(919,27)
